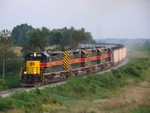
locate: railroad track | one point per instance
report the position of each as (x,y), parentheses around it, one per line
(9,92)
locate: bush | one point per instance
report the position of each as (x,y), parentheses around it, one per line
(3,104)
(142,110)
(12,82)
(12,66)
(133,71)
(117,73)
(2,82)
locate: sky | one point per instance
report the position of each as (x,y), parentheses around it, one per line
(103,18)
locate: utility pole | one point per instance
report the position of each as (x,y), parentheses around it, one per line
(3,70)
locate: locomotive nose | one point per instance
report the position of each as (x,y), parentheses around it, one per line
(32,67)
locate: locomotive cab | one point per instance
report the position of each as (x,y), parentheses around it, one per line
(31,71)
(32,63)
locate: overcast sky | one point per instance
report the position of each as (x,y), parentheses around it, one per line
(103,18)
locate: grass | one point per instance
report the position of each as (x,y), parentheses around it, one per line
(141,110)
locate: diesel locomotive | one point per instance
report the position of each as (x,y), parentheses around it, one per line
(50,66)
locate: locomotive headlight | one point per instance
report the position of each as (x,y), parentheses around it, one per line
(25,72)
(35,72)
(34,54)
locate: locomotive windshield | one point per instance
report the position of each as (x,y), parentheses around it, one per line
(36,57)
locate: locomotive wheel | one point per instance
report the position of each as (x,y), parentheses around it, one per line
(37,84)
(45,80)
(74,73)
(63,76)
(94,69)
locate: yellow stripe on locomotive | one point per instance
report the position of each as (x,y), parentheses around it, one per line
(32,67)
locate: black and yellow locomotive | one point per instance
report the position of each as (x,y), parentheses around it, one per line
(50,66)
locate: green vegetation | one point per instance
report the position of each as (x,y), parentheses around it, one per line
(10,62)
(11,81)
(19,33)
(142,110)
(76,89)
(35,39)
(144,47)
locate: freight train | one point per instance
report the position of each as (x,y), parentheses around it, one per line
(44,67)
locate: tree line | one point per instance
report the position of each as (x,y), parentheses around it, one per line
(35,39)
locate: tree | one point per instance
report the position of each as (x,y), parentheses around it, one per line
(54,37)
(89,38)
(19,33)
(6,44)
(69,38)
(38,40)
(146,45)
(80,36)
(65,40)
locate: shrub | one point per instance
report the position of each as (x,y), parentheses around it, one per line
(142,110)
(12,81)
(2,82)
(3,104)
(116,73)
